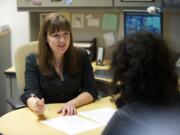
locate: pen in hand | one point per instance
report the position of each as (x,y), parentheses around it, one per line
(36,105)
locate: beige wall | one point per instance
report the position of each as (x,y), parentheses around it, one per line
(172,28)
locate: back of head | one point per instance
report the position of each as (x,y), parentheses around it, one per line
(145,68)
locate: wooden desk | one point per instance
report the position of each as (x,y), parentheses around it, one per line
(10,70)
(105,66)
(25,122)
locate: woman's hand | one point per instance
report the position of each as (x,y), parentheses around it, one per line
(36,105)
(68,109)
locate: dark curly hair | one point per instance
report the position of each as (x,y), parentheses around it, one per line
(143,68)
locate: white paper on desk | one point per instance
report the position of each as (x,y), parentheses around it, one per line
(102,115)
(71,124)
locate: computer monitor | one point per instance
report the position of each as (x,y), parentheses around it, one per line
(137,21)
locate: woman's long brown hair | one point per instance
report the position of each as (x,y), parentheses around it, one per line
(54,23)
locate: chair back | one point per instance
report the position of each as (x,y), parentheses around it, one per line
(19,61)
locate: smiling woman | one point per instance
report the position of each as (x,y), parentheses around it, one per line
(59,41)
(60,72)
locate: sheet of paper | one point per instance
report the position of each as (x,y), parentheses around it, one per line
(109,22)
(102,115)
(109,38)
(71,124)
(77,20)
(93,22)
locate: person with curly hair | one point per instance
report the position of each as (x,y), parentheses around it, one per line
(146,87)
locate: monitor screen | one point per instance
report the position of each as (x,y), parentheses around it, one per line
(137,21)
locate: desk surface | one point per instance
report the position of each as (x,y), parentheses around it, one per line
(11,70)
(25,122)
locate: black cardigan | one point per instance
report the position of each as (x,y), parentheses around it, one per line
(55,90)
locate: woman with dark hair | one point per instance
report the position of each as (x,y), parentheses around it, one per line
(146,86)
(60,73)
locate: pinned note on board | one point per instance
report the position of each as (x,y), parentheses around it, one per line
(36,2)
(109,22)
(109,38)
(77,20)
(56,0)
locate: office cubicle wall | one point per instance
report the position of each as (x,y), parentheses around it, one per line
(5,62)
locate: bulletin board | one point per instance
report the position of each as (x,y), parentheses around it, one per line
(105,25)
